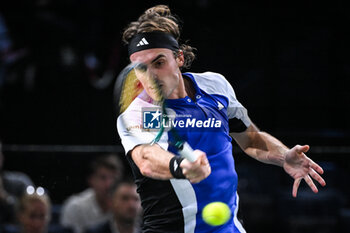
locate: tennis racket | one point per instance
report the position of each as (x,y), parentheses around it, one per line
(128,88)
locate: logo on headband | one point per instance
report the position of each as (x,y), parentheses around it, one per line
(151,40)
(143,41)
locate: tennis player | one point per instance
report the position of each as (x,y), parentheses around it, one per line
(173,190)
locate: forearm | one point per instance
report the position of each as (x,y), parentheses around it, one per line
(266,148)
(152,161)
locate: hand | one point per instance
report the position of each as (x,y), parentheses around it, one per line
(299,166)
(198,170)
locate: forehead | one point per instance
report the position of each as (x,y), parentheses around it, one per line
(103,171)
(148,55)
(36,204)
(126,189)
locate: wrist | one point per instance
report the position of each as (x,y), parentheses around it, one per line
(175,169)
(277,157)
(284,151)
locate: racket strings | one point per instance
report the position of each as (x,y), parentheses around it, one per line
(132,87)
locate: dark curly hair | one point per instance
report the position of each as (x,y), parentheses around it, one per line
(159,18)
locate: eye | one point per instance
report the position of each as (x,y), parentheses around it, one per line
(159,63)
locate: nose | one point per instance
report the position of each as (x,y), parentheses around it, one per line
(108,182)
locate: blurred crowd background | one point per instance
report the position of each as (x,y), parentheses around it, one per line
(288,62)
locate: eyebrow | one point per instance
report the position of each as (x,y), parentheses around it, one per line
(157,57)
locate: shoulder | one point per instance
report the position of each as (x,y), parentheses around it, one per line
(17,177)
(130,125)
(130,121)
(77,208)
(15,182)
(209,78)
(213,83)
(132,114)
(79,199)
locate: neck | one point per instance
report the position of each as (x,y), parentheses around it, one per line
(124,226)
(183,89)
(102,203)
(190,90)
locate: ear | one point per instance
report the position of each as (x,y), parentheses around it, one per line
(180,59)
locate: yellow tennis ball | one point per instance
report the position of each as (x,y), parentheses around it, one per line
(216,213)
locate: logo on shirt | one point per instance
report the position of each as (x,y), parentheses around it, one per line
(220,106)
(154,119)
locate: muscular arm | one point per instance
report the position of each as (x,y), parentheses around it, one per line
(153,162)
(266,148)
(261,146)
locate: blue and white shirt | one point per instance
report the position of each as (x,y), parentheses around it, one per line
(176,205)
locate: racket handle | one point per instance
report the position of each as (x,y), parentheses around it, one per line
(187,152)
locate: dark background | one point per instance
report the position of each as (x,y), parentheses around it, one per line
(288,63)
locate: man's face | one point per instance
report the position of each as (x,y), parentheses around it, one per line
(102,180)
(35,217)
(163,67)
(126,203)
